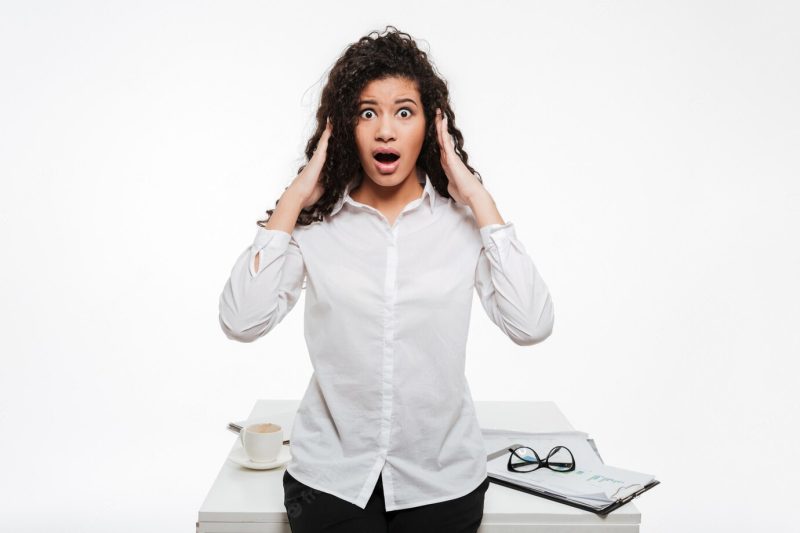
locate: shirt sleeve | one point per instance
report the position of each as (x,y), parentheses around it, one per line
(253,302)
(510,288)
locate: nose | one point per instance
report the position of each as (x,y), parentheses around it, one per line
(385,131)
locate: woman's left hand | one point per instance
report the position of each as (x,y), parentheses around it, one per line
(462,183)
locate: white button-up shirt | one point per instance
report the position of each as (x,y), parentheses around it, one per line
(387,312)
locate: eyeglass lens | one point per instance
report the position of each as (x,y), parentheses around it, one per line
(528,461)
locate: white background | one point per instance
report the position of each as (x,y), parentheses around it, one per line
(647,153)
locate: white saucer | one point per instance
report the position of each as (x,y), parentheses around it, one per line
(239,457)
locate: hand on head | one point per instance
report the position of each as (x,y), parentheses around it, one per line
(307,183)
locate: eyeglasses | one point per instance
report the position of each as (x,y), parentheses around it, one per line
(559,459)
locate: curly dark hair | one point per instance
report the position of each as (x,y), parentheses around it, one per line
(373,57)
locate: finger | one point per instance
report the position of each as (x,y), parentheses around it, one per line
(436,123)
(322,143)
(450,144)
(447,139)
(439,136)
(327,131)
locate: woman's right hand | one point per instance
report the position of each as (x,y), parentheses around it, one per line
(307,183)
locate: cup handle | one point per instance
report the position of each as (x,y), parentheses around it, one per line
(241,436)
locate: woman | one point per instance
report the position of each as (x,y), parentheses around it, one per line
(392,230)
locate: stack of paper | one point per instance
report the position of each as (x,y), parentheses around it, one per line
(592,483)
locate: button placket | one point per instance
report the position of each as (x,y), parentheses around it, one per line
(390,297)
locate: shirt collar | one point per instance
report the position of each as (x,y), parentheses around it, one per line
(422,178)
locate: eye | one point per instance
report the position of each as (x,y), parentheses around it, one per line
(405,109)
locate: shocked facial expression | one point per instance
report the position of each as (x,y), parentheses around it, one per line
(390,129)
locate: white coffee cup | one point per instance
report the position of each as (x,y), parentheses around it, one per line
(262,441)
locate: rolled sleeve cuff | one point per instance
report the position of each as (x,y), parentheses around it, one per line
(494,234)
(272,242)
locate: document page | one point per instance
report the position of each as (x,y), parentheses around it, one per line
(592,482)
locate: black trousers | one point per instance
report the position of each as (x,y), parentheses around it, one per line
(313,511)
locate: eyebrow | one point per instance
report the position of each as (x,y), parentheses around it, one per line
(398,101)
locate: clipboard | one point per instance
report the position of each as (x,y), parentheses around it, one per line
(603,511)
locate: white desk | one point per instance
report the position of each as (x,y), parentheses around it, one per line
(249,501)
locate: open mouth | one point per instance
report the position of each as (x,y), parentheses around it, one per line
(386,157)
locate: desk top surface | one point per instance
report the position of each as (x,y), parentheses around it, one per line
(241,494)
